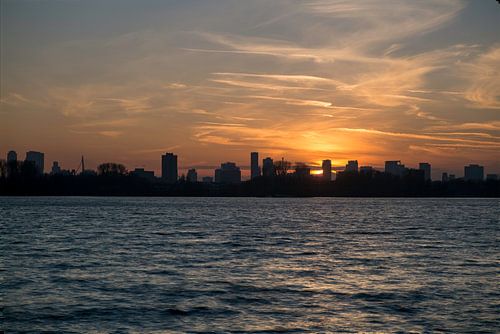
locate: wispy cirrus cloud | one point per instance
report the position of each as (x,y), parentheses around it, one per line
(315,78)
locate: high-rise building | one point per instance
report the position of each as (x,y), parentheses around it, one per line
(352,166)
(192,176)
(268,167)
(38,159)
(327,170)
(426,168)
(254,165)
(395,167)
(473,173)
(11,156)
(228,173)
(56,169)
(169,167)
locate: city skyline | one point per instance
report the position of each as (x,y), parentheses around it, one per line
(171,172)
(307,80)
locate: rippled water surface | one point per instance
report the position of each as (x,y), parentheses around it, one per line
(249,265)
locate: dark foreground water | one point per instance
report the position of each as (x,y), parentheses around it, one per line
(162,265)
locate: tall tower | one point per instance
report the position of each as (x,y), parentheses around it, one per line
(268,167)
(169,167)
(426,167)
(254,165)
(327,170)
(38,159)
(352,166)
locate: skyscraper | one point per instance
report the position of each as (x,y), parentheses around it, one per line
(394,167)
(37,158)
(228,173)
(192,175)
(473,173)
(327,170)
(11,156)
(268,167)
(169,167)
(426,167)
(254,165)
(352,166)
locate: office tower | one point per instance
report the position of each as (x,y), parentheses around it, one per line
(473,173)
(395,168)
(254,165)
(327,170)
(228,173)
(37,158)
(426,168)
(207,179)
(268,167)
(366,169)
(56,169)
(192,176)
(11,156)
(169,167)
(352,166)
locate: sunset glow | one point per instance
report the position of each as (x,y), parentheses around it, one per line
(214,80)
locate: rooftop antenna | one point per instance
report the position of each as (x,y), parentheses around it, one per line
(83,165)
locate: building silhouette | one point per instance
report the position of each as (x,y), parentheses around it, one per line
(491,176)
(56,169)
(474,173)
(11,156)
(228,173)
(268,167)
(192,175)
(38,158)
(302,170)
(366,169)
(444,177)
(146,174)
(207,179)
(395,167)
(352,166)
(327,170)
(426,168)
(169,171)
(254,165)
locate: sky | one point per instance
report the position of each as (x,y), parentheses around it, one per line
(212,80)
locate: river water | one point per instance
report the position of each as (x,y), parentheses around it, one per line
(249,265)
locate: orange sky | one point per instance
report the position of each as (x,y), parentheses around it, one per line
(212,81)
